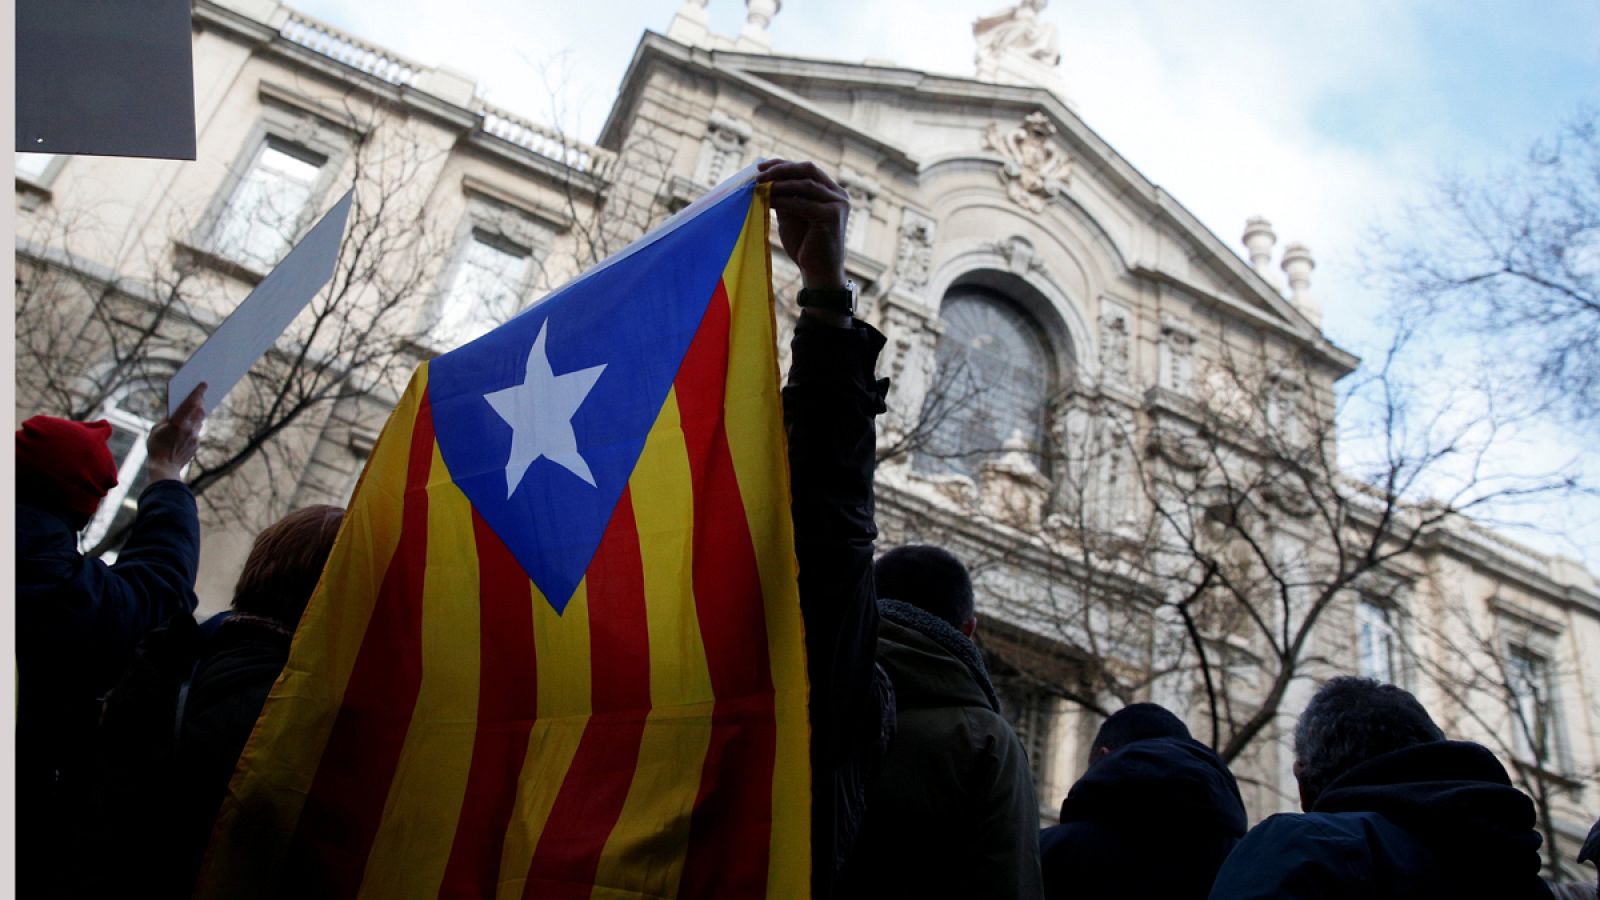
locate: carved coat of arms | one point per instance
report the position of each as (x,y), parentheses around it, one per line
(1036,169)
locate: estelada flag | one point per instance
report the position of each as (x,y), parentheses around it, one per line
(557,649)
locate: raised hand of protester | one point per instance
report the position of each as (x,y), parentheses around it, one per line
(174,440)
(812,211)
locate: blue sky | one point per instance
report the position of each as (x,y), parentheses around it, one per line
(1325,117)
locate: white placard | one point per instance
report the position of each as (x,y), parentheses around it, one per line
(249,331)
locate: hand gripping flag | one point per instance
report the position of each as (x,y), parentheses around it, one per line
(557,649)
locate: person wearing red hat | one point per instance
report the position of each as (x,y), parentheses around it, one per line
(78,619)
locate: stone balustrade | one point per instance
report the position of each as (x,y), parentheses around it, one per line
(328,41)
(546,141)
(352,51)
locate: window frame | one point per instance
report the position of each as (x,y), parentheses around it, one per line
(1382,616)
(309,134)
(129,467)
(501,222)
(1021,311)
(454,272)
(1547,715)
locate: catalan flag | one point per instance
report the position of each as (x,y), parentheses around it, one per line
(557,650)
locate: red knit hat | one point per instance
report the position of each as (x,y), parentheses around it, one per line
(72,456)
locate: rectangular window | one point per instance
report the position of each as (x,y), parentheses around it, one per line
(488,287)
(269,205)
(1533,721)
(1031,712)
(1375,642)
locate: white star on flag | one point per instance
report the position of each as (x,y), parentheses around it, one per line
(539,411)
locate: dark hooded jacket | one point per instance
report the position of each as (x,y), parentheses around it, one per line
(1139,797)
(78,620)
(952,813)
(1435,820)
(172,733)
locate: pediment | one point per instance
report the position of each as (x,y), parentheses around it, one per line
(930,119)
(921,125)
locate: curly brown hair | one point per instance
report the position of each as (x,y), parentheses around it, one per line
(285,563)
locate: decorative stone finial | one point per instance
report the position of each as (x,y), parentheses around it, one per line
(758,15)
(1297,265)
(1259,239)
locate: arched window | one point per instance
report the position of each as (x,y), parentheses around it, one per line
(132,412)
(996,374)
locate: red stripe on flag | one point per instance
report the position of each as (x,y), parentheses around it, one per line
(591,798)
(508,700)
(329,851)
(730,834)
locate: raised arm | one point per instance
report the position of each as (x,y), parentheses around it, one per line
(830,405)
(153,577)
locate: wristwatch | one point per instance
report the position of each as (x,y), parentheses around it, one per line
(838,300)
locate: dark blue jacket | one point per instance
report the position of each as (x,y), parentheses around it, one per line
(1434,820)
(78,621)
(1174,794)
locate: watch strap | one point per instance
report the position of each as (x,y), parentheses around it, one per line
(839,300)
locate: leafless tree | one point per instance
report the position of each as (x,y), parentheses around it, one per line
(1513,260)
(1199,542)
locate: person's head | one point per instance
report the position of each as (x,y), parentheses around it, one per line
(1349,721)
(285,562)
(65,466)
(1135,722)
(931,579)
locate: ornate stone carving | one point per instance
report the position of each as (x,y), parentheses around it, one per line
(1015,30)
(1119,491)
(722,150)
(1116,344)
(909,363)
(1036,169)
(863,191)
(1096,476)
(1286,416)
(1178,445)
(1177,356)
(1019,254)
(913,262)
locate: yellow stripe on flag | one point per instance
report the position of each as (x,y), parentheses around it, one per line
(411,847)
(280,760)
(645,852)
(561,648)
(755,440)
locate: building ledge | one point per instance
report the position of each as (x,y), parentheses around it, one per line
(219,263)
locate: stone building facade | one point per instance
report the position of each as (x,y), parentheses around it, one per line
(1061,330)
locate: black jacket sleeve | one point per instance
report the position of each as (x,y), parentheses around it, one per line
(829,406)
(153,577)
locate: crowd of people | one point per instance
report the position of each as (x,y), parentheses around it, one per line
(131,714)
